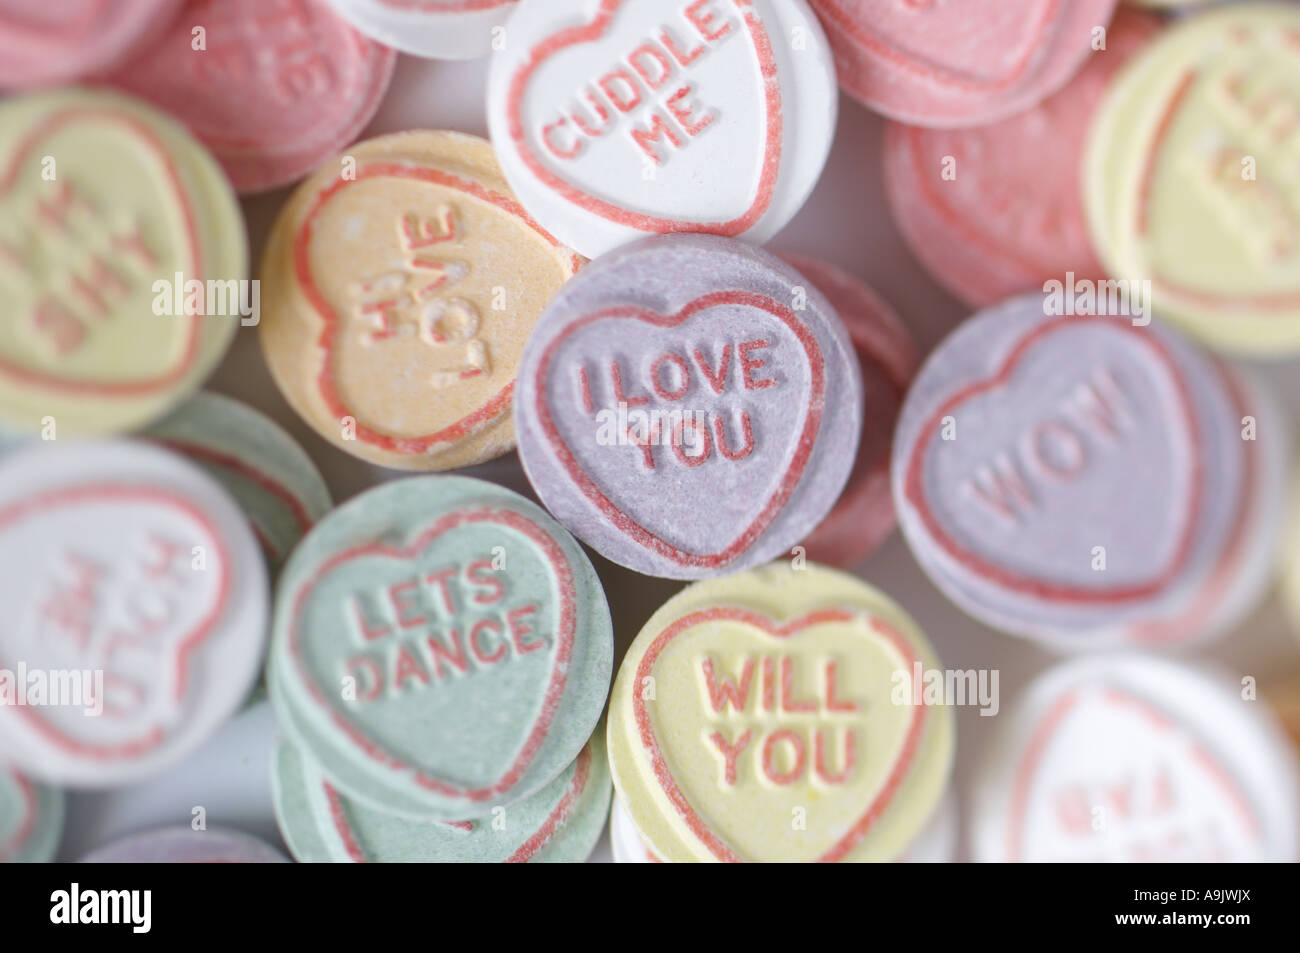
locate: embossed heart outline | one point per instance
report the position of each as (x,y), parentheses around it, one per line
(490,411)
(798,461)
(784,630)
(914,482)
(566,628)
(773,144)
(861,32)
(22,832)
(1046,731)
(1280,301)
(522,854)
(33,507)
(190,352)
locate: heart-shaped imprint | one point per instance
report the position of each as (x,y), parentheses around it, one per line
(1017,477)
(664,89)
(795,718)
(1164,793)
(738,384)
(434,634)
(77,263)
(123,600)
(434,256)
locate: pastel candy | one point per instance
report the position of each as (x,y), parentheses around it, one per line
(685,369)
(437,29)
(441,647)
(1179,765)
(399,285)
(761,698)
(31,819)
(937,844)
(559,824)
(617,119)
(864,515)
(182,845)
(1014,473)
(134,574)
(277,88)
(995,210)
(1190,177)
(44,44)
(110,197)
(958,64)
(260,465)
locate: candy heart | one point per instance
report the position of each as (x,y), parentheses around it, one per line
(123,601)
(1168,792)
(1013,496)
(628,492)
(788,703)
(616,62)
(350,337)
(78,261)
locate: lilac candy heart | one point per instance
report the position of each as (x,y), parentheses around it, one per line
(689,406)
(1067,478)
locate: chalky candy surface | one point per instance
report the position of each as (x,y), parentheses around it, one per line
(689,406)
(775,696)
(1016,471)
(1174,762)
(44,44)
(864,515)
(260,465)
(932,63)
(183,845)
(31,819)
(277,87)
(614,119)
(441,647)
(1247,564)
(994,211)
(136,610)
(937,844)
(559,824)
(437,29)
(1191,182)
(101,198)
(399,286)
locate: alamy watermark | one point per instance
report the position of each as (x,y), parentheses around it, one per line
(946,687)
(215,297)
(58,688)
(1084,297)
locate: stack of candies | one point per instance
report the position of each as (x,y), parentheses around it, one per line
(581,309)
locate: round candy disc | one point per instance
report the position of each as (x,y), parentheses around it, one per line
(261,466)
(1133,759)
(615,119)
(1014,463)
(441,647)
(105,206)
(436,29)
(864,515)
(44,44)
(272,87)
(764,716)
(400,283)
(136,610)
(559,824)
(183,845)
(689,406)
(31,819)
(958,64)
(994,211)
(1190,177)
